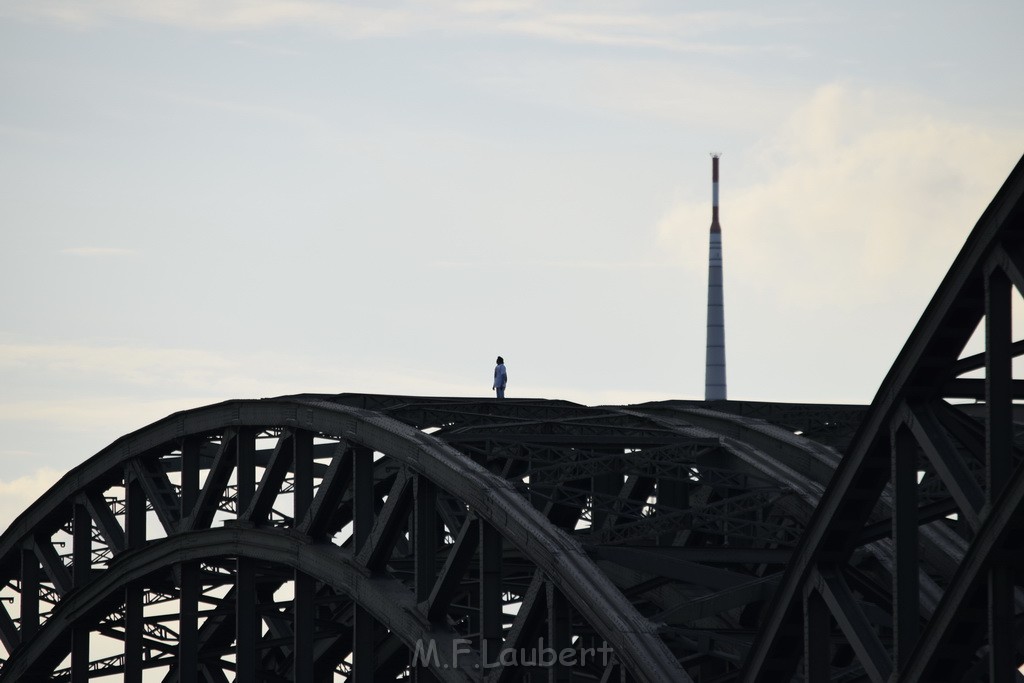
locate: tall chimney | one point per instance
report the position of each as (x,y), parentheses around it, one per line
(714,369)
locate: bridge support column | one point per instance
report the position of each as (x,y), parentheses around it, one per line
(82,568)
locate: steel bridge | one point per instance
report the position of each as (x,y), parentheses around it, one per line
(370,538)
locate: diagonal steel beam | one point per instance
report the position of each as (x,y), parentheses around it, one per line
(9,635)
(635,490)
(213,488)
(948,463)
(454,571)
(854,624)
(105,521)
(525,626)
(377,549)
(158,490)
(270,483)
(336,479)
(52,564)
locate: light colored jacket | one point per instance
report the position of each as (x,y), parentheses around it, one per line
(500,376)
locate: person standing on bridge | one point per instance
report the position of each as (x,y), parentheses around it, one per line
(500,377)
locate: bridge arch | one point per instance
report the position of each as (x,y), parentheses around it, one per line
(151,469)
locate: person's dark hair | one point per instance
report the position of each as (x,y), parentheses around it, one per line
(500,360)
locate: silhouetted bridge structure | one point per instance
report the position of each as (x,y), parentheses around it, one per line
(372,538)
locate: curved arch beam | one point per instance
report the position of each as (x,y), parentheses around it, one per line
(590,591)
(389,601)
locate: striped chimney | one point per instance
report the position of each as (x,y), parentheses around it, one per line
(714,369)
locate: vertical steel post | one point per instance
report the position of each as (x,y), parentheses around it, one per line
(490,592)
(817,637)
(135,512)
(302,471)
(188,599)
(188,623)
(1001,633)
(134,613)
(537,481)
(999,464)
(603,485)
(245,468)
(673,494)
(247,620)
(425,526)
(362,496)
(29,598)
(363,657)
(305,585)
(906,582)
(81,559)
(248,625)
(998,382)
(559,633)
(189,474)
(304,607)
(426,541)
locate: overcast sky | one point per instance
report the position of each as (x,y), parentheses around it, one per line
(213,199)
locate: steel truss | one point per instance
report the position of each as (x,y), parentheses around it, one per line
(367,538)
(922,463)
(314,537)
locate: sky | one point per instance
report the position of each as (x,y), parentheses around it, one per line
(213,199)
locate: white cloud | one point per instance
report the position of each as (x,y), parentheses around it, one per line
(864,194)
(836,232)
